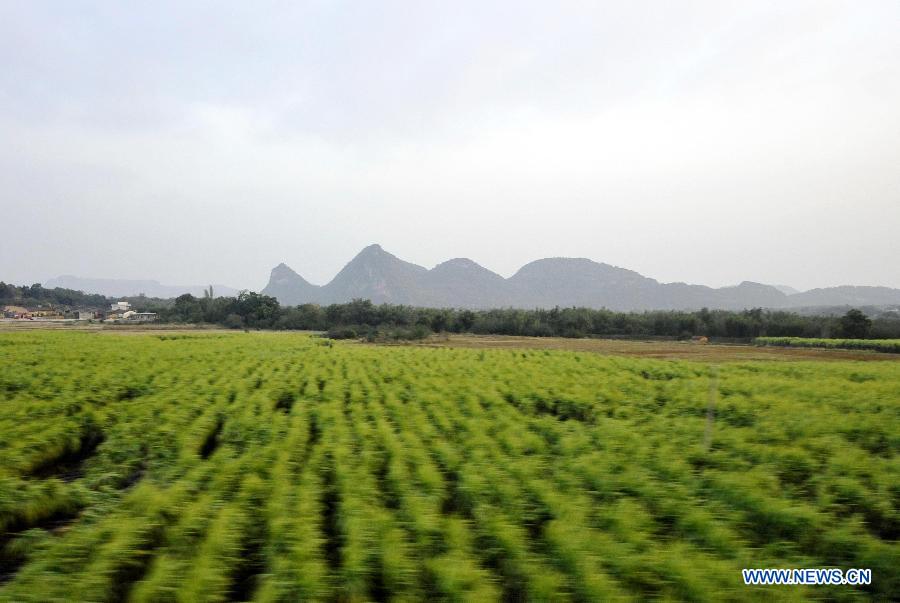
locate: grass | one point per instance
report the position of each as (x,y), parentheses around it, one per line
(281,467)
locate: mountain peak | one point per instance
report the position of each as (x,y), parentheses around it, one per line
(289,287)
(372,249)
(374,254)
(284,273)
(377,275)
(459,263)
(561,268)
(751,285)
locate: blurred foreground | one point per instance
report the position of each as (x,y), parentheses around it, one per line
(281,467)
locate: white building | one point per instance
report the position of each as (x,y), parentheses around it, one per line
(120,306)
(140,316)
(85,315)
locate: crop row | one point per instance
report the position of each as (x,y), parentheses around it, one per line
(277,467)
(877,345)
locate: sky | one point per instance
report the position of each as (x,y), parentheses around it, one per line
(205,142)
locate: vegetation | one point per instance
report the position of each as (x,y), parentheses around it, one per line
(363,319)
(855,325)
(366,319)
(283,467)
(36,296)
(878,345)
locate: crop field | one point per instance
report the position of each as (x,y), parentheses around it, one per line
(877,345)
(286,467)
(661,349)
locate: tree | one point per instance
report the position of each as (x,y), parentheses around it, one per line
(465,321)
(439,321)
(256,309)
(855,325)
(187,309)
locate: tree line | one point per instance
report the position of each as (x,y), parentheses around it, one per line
(37,296)
(362,318)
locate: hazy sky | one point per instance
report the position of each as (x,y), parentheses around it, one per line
(196,142)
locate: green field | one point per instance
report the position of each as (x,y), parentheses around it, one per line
(877,345)
(284,467)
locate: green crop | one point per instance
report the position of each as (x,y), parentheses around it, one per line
(877,345)
(282,467)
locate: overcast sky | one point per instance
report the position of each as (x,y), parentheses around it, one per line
(198,142)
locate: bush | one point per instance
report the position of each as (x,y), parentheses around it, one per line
(234,321)
(398,333)
(342,332)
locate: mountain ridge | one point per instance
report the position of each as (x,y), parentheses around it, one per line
(112,287)
(382,277)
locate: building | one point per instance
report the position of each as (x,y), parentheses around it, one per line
(141,316)
(16,312)
(118,310)
(85,315)
(22,312)
(132,316)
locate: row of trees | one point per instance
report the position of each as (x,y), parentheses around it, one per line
(362,317)
(34,296)
(248,309)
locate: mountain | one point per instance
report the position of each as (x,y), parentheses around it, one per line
(379,276)
(751,295)
(681,296)
(786,289)
(382,277)
(461,283)
(125,288)
(847,296)
(580,282)
(290,288)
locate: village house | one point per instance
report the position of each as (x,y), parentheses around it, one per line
(15,312)
(143,316)
(23,312)
(117,311)
(120,311)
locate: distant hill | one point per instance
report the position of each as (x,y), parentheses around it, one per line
(847,296)
(786,289)
(289,287)
(461,283)
(127,288)
(377,275)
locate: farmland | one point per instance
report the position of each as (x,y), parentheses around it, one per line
(660,349)
(281,467)
(877,345)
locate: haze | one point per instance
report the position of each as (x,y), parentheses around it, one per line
(707,142)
